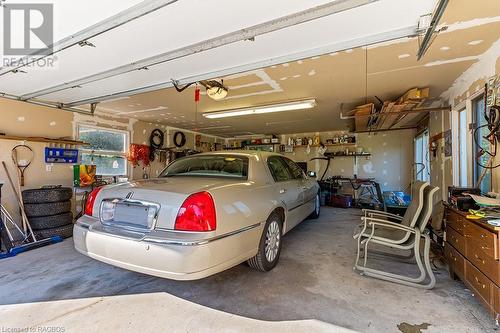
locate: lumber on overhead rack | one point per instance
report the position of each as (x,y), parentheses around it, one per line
(366,109)
(405,112)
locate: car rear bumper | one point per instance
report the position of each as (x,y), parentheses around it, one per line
(172,260)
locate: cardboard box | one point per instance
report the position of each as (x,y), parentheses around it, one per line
(83,175)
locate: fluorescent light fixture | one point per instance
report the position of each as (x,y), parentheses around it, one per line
(287,106)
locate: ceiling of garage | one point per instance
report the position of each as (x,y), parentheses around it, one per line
(324,58)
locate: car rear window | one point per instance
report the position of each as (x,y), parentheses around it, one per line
(226,166)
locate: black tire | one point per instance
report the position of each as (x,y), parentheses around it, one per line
(260,261)
(317,208)
(54,221)
(44,195)
(64,232)
(47,209)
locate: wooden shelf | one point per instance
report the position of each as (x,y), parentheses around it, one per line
(331,155)
(329,145)
(44,140)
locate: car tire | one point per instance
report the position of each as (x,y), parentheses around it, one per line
(54,221)
(44,195)
(63,232)
(47,209)
(269,246)
(317,207)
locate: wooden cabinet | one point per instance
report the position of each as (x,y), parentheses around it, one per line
(456,262)
(472,253)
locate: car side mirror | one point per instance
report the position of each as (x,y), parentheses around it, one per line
(311,174)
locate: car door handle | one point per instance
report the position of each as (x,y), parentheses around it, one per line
(282,191)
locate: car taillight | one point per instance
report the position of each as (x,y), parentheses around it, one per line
(89,205)
(197,213)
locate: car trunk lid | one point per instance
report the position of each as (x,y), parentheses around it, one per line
(134,200)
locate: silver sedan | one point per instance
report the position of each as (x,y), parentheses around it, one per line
(205,213)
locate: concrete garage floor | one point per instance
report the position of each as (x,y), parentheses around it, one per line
(312,288)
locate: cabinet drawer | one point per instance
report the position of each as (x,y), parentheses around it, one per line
(482,238)
(455,239)
(456,221)
(487,265)
(480,284)
(455,261)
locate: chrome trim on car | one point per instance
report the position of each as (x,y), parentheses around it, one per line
(83,225)
(302,204)
(201,241)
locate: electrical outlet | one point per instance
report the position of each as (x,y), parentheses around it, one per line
(48,167)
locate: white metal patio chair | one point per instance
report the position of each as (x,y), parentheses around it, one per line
(409,219)
(398,236)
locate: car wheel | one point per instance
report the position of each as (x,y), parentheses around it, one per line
(269,246)
(317,208)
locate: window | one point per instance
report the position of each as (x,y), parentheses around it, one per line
(296,171)
(107,149)
(209,166)
(482,130)
(422,163)
(463,161)
(279,169)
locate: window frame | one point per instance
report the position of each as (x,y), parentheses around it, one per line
(466,106)
(425,137)
(86,150)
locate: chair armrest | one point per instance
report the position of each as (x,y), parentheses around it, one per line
(379,213)
(369,221)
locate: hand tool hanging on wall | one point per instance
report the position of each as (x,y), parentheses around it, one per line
(24,162)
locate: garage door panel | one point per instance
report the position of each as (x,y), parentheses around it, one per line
(166,29)
(337,30)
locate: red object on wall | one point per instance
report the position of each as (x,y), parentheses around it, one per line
(138,153)
(197,95)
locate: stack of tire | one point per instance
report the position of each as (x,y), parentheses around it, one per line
(49,211)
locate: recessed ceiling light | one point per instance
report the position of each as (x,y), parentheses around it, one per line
(404,55)
(445,48)
(475,42)
(287,106)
